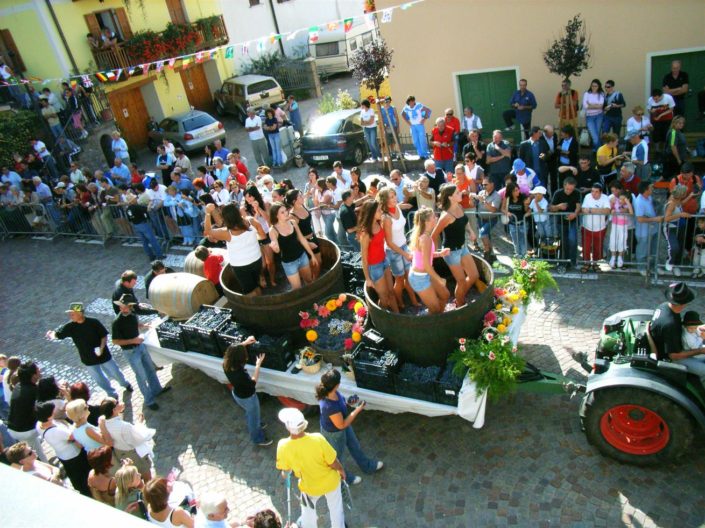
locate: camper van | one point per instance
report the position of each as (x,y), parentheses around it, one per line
(334,48)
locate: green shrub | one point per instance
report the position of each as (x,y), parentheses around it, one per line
(16,129)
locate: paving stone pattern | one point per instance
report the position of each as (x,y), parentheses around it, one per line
(529,466)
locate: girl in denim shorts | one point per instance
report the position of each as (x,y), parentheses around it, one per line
(423,278)
(297,255)
(378,275)
(454,224)
(398,254)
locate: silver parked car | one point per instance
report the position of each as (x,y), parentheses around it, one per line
(190,130)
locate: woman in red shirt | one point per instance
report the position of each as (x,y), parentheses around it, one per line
(378,274)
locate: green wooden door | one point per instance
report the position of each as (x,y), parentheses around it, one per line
(694,64)
(488,93)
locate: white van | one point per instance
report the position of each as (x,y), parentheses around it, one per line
(333,49)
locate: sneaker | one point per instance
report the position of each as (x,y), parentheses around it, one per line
(380,465)
(612,262)
(677,272)
(153,407)
(668,267)
(128,388)
(266,442)
(356,480)
(642,272)
(620,262)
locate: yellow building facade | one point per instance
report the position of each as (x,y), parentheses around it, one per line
(50,42)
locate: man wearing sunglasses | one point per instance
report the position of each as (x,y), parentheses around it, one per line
(91,339)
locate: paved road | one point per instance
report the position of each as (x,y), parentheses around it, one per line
(529,466)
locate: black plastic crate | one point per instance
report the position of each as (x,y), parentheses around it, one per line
(199,333)
(448,386)
(278,352)
(370,369)
(413,381)
(170,335)
(210,318)
(232,333)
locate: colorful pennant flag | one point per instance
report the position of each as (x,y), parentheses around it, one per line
(73,83)
(260,45)
(186,61)
(145,68)
(292,35)
(100,76)
(246,48)
(313,34)
(86,81)
(131,71)
(229,51)
(171,63)
(406,6)
(212,54)
(274,37)
(387,16)
(332,26)
(370,20)
(199,57)
(347,24)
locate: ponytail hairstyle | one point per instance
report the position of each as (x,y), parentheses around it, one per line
(290,197)
(447,190)
(367,217)
(422,216)
(329,381)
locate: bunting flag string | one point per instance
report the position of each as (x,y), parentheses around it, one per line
(229,49)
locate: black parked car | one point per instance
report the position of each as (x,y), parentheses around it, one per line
(335,136)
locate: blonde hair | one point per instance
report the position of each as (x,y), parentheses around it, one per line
(679,192)
(77,410)
(123,478)
(420,218)
(383,198)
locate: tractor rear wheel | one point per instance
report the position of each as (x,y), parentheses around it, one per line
(637,426)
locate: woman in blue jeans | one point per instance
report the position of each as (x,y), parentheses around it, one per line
(336,425)
(593,104)
(234,361)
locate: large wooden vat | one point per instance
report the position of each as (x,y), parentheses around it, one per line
(194,265)
(180,295)
(427,339)
(278,313)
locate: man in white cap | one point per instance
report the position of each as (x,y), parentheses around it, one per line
(314,462)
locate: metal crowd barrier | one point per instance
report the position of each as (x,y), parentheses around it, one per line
(27,219)
(680,250)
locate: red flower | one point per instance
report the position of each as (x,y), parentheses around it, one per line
(491,356)
(490,318)
(348,343)
(362,311)
(524,264)
(304,315)
(351,304)
(462,341)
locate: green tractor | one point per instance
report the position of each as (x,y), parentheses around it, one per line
(636,409)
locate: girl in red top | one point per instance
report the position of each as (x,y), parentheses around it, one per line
(378,274)
(212,265)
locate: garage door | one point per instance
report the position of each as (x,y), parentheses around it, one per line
(197,90)
(131,115)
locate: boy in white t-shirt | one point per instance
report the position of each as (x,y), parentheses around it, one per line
(539,210)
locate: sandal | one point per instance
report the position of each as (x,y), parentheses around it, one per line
(585,269)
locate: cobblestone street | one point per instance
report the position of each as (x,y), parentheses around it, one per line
(529,466)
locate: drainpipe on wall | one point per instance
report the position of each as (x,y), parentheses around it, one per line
(276,27)
(61,35)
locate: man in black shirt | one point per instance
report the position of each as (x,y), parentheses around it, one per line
(567,202)
(139,218)
(666,328)
(22,421)
(158,268)
(126,284)
(91,339)
(676,85)
(126,334)
(349,220)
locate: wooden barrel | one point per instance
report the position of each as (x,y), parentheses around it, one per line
(180,295)
(278,313)
(427,339)
(195,265)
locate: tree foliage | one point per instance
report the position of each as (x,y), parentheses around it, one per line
(569,55)
(16,129)
(371,64)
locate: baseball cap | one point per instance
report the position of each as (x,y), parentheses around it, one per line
(293,419)
(539,189)
(60,185)
(75,307)
(518,165)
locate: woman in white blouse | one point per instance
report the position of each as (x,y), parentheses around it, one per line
(640,123)
(221,196)
(593,104)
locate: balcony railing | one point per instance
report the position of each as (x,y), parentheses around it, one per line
(211,32)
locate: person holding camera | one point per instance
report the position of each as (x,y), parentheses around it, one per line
(243,391)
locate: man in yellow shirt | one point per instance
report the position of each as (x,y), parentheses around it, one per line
(314,462)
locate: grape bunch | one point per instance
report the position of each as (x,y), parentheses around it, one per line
(449,378)
(170,327)
(411,372)
(265,343)
(235,331)
(209,318)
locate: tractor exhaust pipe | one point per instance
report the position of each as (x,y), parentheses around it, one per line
(582,359)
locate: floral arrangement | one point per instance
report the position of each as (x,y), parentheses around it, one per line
(309,360)
(337,324)
(492,359)
(529,277)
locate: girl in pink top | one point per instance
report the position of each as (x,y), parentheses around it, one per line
(423,278)
(619,232)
